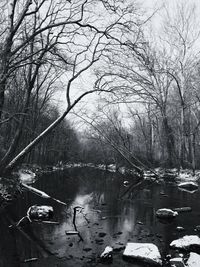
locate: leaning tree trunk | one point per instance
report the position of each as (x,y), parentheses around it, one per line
(7,169)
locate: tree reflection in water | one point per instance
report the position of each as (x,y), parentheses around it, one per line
(117,220)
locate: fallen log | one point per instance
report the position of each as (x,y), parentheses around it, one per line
(41,193)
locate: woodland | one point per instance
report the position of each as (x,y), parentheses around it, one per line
(138,65)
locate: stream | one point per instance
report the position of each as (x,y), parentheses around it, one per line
(106,219)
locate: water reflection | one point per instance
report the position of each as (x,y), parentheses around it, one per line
(104,220)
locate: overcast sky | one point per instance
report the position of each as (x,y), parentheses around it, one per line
(150,6)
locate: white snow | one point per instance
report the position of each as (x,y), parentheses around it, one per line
(187,175)
(186,241)
(194,260)
(166,213)
(184,176)
(143,251)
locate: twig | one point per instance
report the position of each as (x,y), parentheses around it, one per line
(74,222)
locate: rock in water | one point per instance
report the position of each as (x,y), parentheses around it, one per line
(166,213)
(187,242)
(194,260)
(177,262)
(188,185)
(106,255)
(40,212)
(26,176)
(144,252)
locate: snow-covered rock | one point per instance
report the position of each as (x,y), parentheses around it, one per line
(106,255)
(186,242)
(40,212)
(126,183)
(166,213)
(143,251)
(177,262)
(188,185)
(26,176)
(194,260)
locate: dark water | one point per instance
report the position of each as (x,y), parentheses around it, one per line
(129,220)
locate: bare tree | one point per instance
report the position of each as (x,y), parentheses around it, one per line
(70,36)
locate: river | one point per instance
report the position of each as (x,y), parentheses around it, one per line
(105,219)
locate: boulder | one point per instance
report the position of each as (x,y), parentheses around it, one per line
(177,262)
(26,176)
(166,213)
(194,260)
(40,212)
(189,186)
(106,255)
(145,252)
(187,242)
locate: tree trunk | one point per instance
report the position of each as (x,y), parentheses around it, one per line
(170,144)
(193,153)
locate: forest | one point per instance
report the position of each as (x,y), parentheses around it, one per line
(141,66)
(99,133)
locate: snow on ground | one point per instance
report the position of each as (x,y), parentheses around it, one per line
(187,175)
(143,251)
